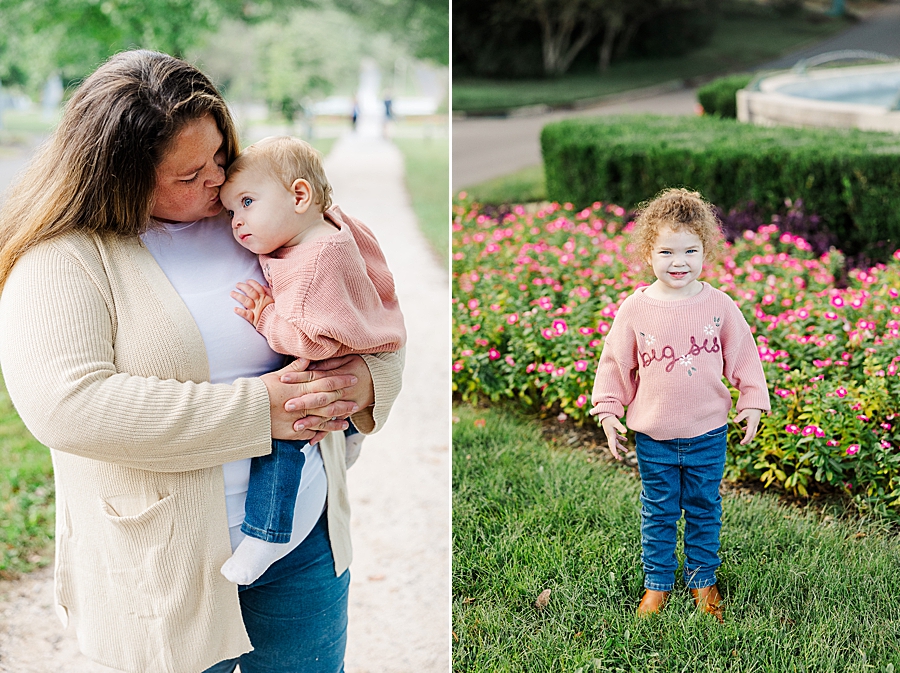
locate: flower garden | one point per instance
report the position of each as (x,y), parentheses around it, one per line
(535,292)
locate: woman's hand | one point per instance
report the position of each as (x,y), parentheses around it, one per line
(354,396)
(296,393)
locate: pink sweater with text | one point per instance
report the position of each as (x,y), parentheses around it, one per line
(333,296)
(665,361)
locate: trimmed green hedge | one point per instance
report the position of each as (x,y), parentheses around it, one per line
(719,97)
(851,179)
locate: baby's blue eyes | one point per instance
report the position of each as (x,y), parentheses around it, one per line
(246,201)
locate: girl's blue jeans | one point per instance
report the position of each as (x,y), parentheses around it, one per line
(272,490)
(296,613)
(681,475)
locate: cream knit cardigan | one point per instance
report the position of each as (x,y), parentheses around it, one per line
(106,366)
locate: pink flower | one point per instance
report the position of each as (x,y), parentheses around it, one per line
(853,449)
(512,319)
(457,366)
(841,392)
(886,426)
(863,418)
(837,301)
(530,368)
(548,333)
(509,360)
(581,401)
(885,444)
(581,366)
(809,430)
(832,442)
(791,429)
(560,326)
(473,304)
(586,331)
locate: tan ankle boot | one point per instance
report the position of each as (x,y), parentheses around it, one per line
(652,602)
(709,600)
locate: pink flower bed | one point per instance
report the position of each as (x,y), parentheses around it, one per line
(535,293)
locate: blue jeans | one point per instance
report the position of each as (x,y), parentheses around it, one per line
(681,475)
(296,613)
(272,490)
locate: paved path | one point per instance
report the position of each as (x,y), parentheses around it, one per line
(488,148)
(399,488)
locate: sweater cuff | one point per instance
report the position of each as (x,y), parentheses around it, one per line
(264,317)
(387,379)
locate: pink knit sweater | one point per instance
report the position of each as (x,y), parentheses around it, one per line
(333,296)
(665,361)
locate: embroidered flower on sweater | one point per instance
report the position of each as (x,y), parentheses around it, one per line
(686,361)
(649,339)
(710,330)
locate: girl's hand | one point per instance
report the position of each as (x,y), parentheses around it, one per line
(308,404)
(752,416)
(254,298)
(616,441)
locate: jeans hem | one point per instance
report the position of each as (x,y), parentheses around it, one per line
(655,586)
(265,535)
(700,583)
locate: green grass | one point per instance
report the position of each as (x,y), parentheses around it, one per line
(524,186)
(26,496)
(805,592)
(427,163)
(739,43)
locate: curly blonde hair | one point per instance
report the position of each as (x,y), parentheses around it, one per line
(680,210)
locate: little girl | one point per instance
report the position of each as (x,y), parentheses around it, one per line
(330,294)
(664,358)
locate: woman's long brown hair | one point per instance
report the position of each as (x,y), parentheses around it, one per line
(97,172)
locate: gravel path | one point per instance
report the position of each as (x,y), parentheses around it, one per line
(399,488)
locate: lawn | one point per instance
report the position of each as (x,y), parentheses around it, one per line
(527,185)
(428,182)
(806,590)
(740,43)
(27,502)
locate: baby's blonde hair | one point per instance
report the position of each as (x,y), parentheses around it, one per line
(680,210)
(287,159)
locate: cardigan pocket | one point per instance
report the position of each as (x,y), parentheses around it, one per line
(138,532)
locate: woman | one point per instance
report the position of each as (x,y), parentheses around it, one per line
(119,355)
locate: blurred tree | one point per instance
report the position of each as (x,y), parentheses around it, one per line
(422,25)
(72,37)
(293,60)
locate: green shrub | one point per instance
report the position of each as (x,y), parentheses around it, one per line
(849,178)
(719,97)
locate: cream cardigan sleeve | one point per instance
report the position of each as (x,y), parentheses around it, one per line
(86,383)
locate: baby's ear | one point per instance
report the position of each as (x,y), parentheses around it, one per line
(303,196)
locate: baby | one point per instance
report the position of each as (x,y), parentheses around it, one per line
(664,358)
(330,294)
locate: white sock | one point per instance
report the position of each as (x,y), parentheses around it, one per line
(251,559)
(354,444)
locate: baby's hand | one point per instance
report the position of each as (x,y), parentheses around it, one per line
(752,416)
(254,298)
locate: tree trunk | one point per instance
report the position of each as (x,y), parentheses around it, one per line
(613,26)
(558,48)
